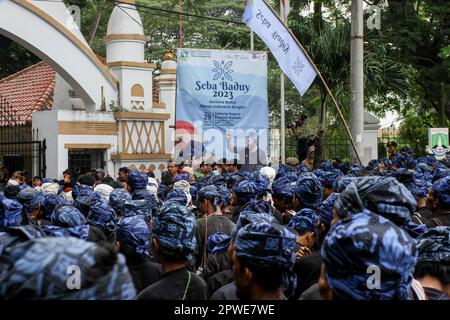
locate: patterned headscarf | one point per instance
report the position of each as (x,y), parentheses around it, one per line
(364,241)
(434,245)
(282,187)
(342,182)
(178,196)
(326,166)
(441,190)
(309,191)
(137,180)
(267,245)
(86,200)
(133,233)
(103,216)
(117,199)
(51,202)
(211,193)
(38,269)
(174,228)
(31,199)
(325,209)
(330,177)
(258,206)
(138,208)
(440,173)
(305,221)
(423,188)
(67,216)
(217,242)
(246,190)
(10,213)
(80,189)
(247,217)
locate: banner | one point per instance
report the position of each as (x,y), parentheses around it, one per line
(260,18)
(438,142)
(222,106)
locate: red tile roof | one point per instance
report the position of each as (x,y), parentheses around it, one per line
(26,91)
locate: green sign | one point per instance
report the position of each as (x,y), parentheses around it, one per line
(438,137)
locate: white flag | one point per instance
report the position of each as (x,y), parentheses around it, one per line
(260,18)
(285,8)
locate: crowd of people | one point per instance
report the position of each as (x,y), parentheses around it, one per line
(337,232)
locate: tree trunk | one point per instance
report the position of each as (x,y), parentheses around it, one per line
(95,23)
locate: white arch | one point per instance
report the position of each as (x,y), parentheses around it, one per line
(48,30)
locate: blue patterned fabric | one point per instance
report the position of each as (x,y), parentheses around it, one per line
(211,193)
(137,180)
(163,190)
(80,189)
(407,178)
(102,216)
(38,269)
(308,190)
(133,233)
(365,240)
(423,188)
(138,208)
(86,200)
(246,190)
(10,213)
(373,164)
(330,177)
(80,232)
(217,242)
(67,216)
(177,196)
(31,199)
(117,199)
(305,219)
(326,166)
(247,217)
(51,202)
(440,173)
(325,209)
(441,190)
(267,245)
(174,228)
(302,168)
(282,187)
(406,149)
(342,182)
(258,206)
(434,245)
(47,180)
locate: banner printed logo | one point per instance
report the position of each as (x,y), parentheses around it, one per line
(223,70)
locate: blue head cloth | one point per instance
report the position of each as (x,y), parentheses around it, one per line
(137,180)
(134,234)
(342,182)
(80,232)
(344,167)
(309,191)
(217,180)
(146,195)
(174,228)
(422,188)
(163,190)
(373,164)
(80,189)
(47,180)
(325,209)
(55,231)
(354,245)
(102,216)
(440,173)
(181,176)
(268,245)
(305,219)
(193,191)
(10,213)
(302,168)
(86,200)
(355,169)
(225,195)
(319,173)
(282,187)
(177,196)
(51,202)
(211,193)
(326,166)
(407,178)
(261,180)
(406,149)
(246,190)
(441,190)
(434,245)
(141,208)
(330,177)
(37,269)
(258,206)
(398,163)
(247,217)
(31,199)
(383,195)
(67,216)
(117,199)
(218,242)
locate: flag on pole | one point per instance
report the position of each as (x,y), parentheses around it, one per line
(260,18)
(285,8)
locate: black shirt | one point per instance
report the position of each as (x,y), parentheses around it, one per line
(176,285)
(143,272)
(216,223)
(219,280)
(217,262)
(312,293)
(443,216)
(307,270)
(227,292)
